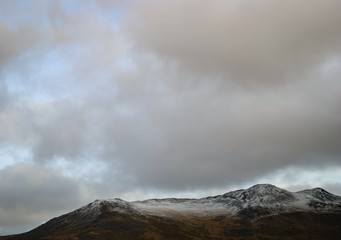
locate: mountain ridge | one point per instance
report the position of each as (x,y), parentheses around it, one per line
(260,195)
(243,209)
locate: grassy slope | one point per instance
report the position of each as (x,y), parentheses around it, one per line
(284,226)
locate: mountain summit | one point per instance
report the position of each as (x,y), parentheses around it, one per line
(266,197)
(262,210)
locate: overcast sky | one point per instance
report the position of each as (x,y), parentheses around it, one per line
(148,98)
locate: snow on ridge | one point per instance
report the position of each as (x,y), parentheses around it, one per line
(189,206)
(264,196)
(99,206)
(320,194)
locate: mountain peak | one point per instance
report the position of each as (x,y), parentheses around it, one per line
(321,194)
(99,207)
(263,185)
(257,195)
(269,191)
(264,189)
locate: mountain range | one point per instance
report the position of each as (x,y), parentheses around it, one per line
(262,211)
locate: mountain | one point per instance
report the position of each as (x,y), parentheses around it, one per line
(262,211)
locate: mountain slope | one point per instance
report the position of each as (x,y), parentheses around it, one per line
(261,211)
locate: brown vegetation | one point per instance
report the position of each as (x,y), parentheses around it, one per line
(296,225)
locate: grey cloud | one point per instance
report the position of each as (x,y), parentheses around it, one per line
(146,106)
(15,41)
(197,137)
(110,3)
(4,95)
(201,141)
(31,194)
(150,103)
(60,130)
(248,42)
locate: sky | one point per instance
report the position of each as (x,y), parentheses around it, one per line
(145,99)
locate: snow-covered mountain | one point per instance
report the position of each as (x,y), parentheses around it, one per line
(272,197)
(258,200)
(261,211)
